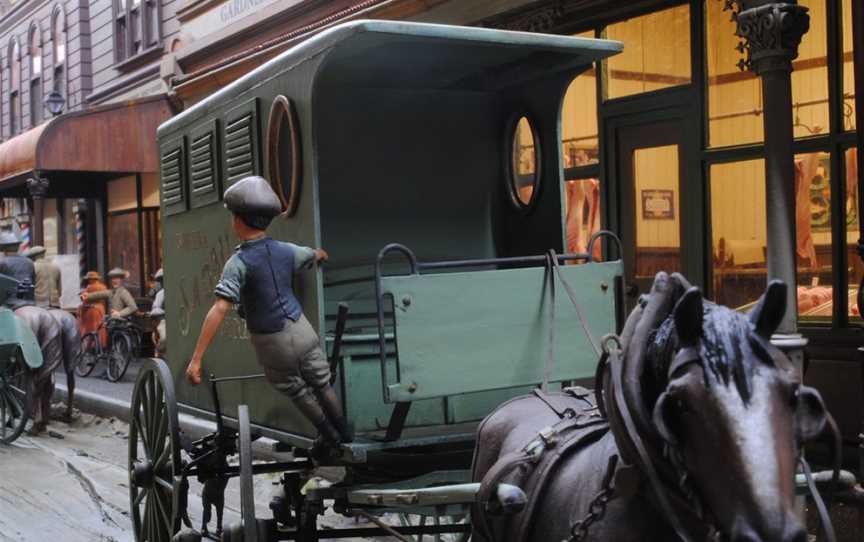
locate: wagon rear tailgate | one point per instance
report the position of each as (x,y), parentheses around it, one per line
(467,332)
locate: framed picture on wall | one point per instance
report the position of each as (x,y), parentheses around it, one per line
(658,205)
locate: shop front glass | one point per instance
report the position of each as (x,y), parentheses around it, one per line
(856,267)
(848,69)
(656,53)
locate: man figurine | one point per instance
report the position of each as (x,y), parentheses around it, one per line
(259,278)
(16,266)
(121,304)
(48,285)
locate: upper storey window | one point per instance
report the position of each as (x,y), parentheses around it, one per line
(35,55)
(14,63)
(137,28)
(58,48)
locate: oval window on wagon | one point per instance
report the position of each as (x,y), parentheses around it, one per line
(284,153)
(524,163)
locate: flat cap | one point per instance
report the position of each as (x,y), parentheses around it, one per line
(34,251)
(7,238)
(117,272)
(92,275)
(253,195)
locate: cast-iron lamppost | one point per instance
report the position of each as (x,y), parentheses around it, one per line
(772,32)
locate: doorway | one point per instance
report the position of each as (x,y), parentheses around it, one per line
(657,204)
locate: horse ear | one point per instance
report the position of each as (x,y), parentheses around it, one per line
(811,414)
(768,313)
(688,317)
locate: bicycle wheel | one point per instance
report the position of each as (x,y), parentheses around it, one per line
(120,356)
(89,355)
(14,400)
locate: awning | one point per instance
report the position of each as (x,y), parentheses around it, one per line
(114,138)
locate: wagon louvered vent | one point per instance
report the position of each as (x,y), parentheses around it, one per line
(239,152)
(202,166)
(172,179)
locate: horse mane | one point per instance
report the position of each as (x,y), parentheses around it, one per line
(727,351)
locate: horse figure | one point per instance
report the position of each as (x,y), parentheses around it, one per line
(49,335)
(70,336)
(704,426)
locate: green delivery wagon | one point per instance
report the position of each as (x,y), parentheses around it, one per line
(426,160)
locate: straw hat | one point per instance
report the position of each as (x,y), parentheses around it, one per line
(118,273)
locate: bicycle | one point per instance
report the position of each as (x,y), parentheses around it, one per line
(124,339)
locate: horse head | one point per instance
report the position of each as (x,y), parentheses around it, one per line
(730,413)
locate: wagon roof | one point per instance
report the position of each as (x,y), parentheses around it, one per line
(397,54)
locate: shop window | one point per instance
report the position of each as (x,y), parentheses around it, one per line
(813,235)
(579,142)
(524,163)
(856,267)
(738,232)
(582,204)
(653,58)
(124,247)
(137,28)
(658,224)
(14,63)
(35,55)
(734,96)
(848,69)
(51,227)
(810,114)
(58,49)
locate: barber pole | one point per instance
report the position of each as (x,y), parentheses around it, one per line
(24,228)
(81,241)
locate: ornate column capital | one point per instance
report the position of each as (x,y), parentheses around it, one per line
(37,186)
(771,31)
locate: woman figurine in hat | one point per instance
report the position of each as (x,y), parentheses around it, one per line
(91,313)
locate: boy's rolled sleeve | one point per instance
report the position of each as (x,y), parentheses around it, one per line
(233,278)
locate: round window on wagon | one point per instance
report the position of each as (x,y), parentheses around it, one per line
(524,162)
(284,153)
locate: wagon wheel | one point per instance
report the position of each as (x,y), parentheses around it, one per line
(118,358)
(247,490)
(15,404)
(155,483)
(89,355)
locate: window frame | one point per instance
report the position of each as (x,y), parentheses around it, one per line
(36,46)
(137,20)
(13,55)
(58,69)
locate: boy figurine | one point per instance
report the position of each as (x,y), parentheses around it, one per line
(121,304)
(259,278)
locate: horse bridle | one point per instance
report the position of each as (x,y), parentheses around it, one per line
(612,360)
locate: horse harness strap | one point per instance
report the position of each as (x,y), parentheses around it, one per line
(643,460)
(534,464)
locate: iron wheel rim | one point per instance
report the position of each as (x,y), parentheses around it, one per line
(154,469)
(14,400)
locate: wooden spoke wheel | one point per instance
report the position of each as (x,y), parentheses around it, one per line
(15,404)
(247,489)
(155,484)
